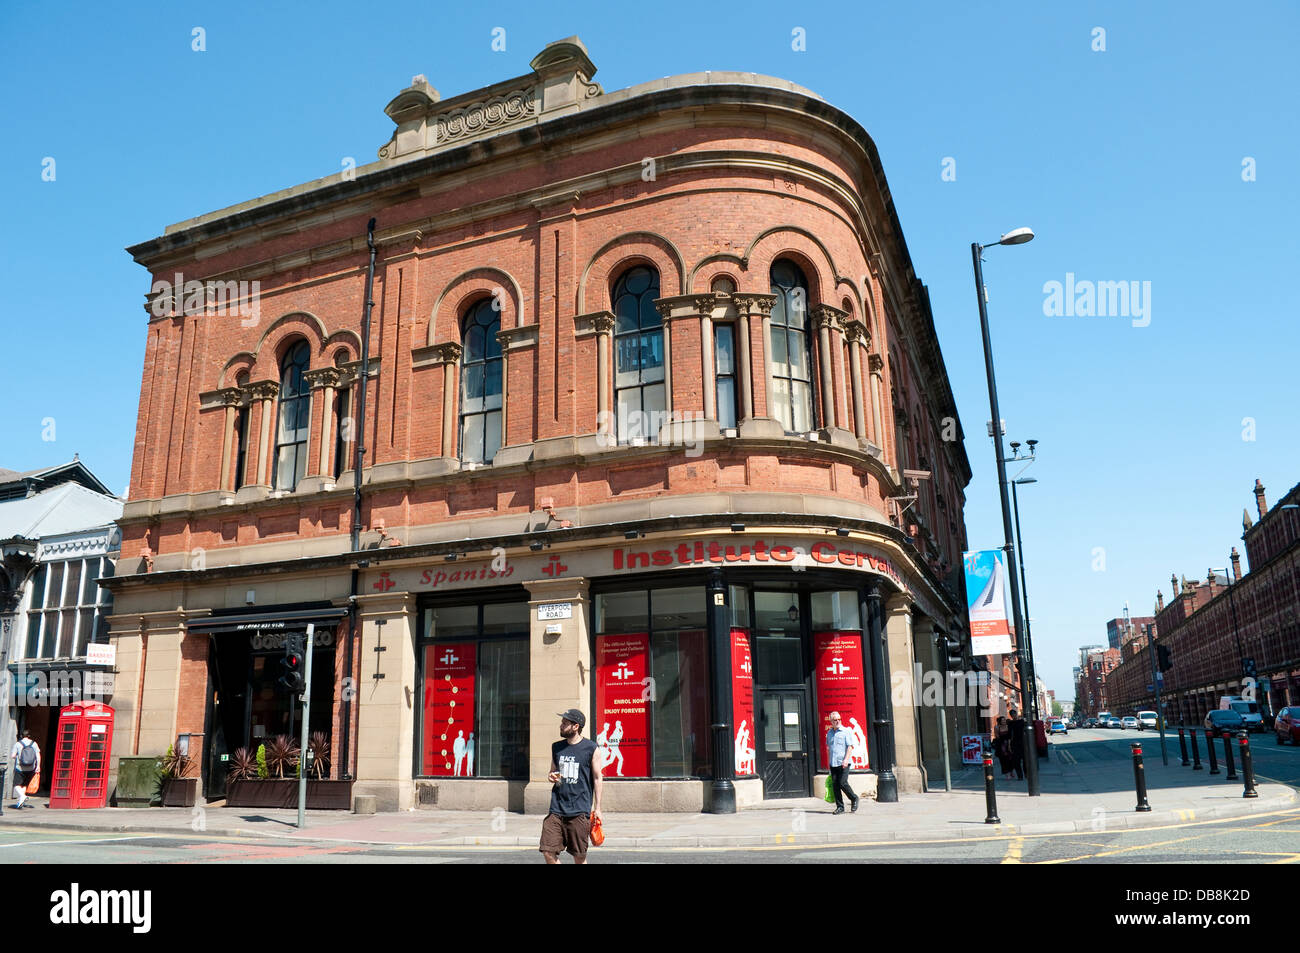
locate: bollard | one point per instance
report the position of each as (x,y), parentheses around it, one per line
(1247,765)
(1182,744)
(1196,752)
(4,773)
(1227,756)
(1139,776)
(990,797)
(1209,744)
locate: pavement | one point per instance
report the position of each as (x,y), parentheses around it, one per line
(1086,785)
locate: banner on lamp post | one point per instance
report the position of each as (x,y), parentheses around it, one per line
(990,631)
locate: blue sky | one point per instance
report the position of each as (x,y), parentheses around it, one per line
(1127,162)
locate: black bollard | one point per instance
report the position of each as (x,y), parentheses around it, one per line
(990,797)
(1227,756)
(1247,765)
(1182,744)
(1209,744)
(1196,752)
(4,773)
(1140,776)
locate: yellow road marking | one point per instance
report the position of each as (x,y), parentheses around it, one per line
(1014,850)
(1122,850)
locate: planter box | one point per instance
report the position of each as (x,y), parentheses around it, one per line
(321,795)
(179,792)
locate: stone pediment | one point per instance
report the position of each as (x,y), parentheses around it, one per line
(561,78)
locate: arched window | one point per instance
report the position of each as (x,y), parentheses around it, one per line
(480,384)
(791,347)
(639,346)
(295,418)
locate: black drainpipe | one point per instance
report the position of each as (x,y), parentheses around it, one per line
(350,690)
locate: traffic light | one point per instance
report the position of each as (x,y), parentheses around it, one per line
(291,679)
(1166,658)
(952,658)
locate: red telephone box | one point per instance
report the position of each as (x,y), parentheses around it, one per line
(81,756)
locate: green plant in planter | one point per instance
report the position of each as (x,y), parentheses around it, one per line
(244,766)
(263,772)
(320,752)
(176,765)
(282,756)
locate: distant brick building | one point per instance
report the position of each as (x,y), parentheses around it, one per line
(634,357)
(1214,629)
(1090,688)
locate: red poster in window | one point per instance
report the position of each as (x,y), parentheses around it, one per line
(742,703)
(841,687)
(449,709)
(622,718)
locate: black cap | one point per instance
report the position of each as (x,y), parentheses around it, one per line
(575,716)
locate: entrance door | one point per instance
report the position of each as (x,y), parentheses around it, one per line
(783,750)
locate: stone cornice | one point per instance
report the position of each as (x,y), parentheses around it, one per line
(225,397)
(350,371)
(512,339)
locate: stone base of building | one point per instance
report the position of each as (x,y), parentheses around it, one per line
(468,794)
(864,785)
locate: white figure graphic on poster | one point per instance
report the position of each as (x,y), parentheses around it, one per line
(859,756)
(602,745)
(744,753)
(458,749)
(615,739)
(469,756)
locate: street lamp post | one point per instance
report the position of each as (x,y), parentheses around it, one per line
(1015,237)
(1024,590)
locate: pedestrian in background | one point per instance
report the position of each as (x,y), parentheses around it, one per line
(575,797)
(1002,747)
(26,759)
(839,751)
(1018,744)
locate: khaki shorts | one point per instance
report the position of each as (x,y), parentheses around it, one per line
(566,833)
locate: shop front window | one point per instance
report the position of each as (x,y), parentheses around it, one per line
(651,713)
(475,714)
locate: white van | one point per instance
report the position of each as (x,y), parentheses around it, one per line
(1251,719)
(1148,719)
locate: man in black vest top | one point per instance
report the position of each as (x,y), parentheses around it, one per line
(575,797)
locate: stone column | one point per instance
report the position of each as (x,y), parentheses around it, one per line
(707,367)
(604,326)
(449,355)
(560,677)
(232,398)
(907,754)
(823,321)
(855,332)
(876,365)
(931,670)
(753,317)
(325,380)
(386,715)
(265,392)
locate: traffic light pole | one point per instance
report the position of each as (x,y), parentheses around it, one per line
(306,711)
(1156,676)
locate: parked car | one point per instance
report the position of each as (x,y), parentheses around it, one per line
(1249,711)
(1114,722)
(1092,723)
(1287,726)
(1224,719)
(1058,728)
(1128,721)
(1148,719)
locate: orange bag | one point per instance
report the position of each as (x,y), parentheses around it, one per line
(597,832)
(34,784)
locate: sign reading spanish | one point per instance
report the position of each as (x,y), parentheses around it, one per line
(622,717)
(449,709)
(990,633)
(841,687)
(742,703)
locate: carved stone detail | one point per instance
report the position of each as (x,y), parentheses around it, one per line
(823,315)
(855,331)
(754,303)
(523,336)
(875,363)
(511,107)
(603,323)
(449,352)
(323,377)
(262,390)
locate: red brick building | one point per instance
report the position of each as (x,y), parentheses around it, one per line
(1090,689)
(1216,627)
(644,370)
